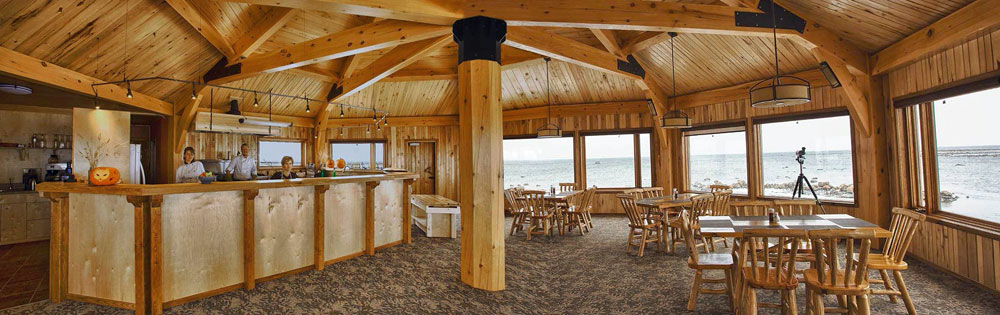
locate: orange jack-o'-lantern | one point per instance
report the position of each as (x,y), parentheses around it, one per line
(330,164)
(104,176)
(341,163)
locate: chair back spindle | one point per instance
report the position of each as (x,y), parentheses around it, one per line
(687,231)
(826,244)
(635,217)
(750,208)
(796,207)
(720,205)
(534,202)
(904,225)
(701,205)
(771,267)
(652,192)
(715,188)
(564,187)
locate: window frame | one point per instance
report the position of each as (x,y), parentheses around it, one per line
(371,158)
(636,155)
(757,122)
(577,147)
(712,129)
(301,163)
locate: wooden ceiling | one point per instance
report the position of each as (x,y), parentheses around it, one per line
(89,36)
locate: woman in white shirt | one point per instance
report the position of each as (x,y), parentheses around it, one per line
(191,169)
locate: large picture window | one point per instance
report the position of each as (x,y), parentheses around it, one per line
(717,158)
(537,163)
(618,161)
(968,154)
(360,155)
(828,160)
(271,152)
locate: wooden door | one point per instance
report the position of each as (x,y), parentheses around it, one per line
(420,160)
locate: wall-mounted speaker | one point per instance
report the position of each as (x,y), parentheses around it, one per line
(829,75)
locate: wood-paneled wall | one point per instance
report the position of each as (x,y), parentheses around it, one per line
(208,145)
(960,251)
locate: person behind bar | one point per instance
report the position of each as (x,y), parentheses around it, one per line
(286,169)
(191,169)
(243,166)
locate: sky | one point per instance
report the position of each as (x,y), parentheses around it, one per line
(604,146)
(968,120)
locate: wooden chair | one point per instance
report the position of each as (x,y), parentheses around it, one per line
(575,215)
(700,205)
(796,207)
(904,224)
(640,228)
(715,188)
(587,205)
(652,192)
(828,277)
(564,187)
(750,208)
(720,206)
(519,211)
(702,262)
(540,214)
(772,271)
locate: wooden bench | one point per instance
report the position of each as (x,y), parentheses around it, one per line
(437,216)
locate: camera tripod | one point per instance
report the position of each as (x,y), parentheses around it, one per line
(797,190)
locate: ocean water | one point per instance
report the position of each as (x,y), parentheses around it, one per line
(970,174)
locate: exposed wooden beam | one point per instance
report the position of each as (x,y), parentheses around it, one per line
(394,60)
(441,12)
(315,73)
(422,75)
(187,111)
(350,65)
(364,38)
(740,91)
(273,20)
(643,41)
(574,110)
(855,87)
(190,13)
(568,50)
(30,68)
(750,4)
(610,41)
(816,35)
(296,121)
(972,18)
(414,121)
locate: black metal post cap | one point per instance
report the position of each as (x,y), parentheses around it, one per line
(479,38)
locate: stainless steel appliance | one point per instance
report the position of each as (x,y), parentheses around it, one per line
(55,172)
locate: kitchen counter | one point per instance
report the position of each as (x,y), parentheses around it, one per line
(149,247)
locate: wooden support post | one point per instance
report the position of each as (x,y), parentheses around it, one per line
(480,151)
(148,273)
(407,185)
(249,238)
(155,254)
(58,247)
(319,222)
(370,217)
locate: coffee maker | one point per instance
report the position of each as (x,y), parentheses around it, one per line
(55,172)
(30,177)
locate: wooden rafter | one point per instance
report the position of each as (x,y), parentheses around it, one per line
(273,20)
(972,18)
(190,13)
(396,59)
(610,41)
(643,41)
(315,73)
(30,68)
(364,38)
(855,87)
(816,35)
(565,49)
(441,12)
(186,113)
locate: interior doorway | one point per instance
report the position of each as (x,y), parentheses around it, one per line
(420,159)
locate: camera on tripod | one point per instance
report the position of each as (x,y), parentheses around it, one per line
(800,156)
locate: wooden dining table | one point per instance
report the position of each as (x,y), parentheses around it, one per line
(561,196)
(733,226)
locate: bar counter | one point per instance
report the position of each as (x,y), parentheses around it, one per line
(148,247)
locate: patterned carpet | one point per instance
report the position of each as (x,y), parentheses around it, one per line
(564,274)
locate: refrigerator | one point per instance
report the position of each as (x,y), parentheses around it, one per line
(137,174)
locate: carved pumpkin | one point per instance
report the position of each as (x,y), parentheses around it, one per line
(330,164)
(104,176)
(341,163)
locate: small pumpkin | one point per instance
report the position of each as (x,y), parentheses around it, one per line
(341,163)
(104,176)
(330,164)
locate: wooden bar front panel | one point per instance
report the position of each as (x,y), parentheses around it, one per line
(202,242)
(345,220)
(283,224)
(101,247)
(388,212)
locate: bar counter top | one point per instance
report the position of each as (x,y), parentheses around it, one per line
(163,189)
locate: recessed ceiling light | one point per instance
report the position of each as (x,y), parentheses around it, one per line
(15,89)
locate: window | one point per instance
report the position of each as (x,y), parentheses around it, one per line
(618,161)
(828,163)
(968,155)
(271,152)
(359,155)
(537,163)
(717,158)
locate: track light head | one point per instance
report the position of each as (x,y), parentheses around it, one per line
(128,87)
(341,111)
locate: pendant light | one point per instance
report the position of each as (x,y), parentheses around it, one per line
(674,118)
(550,130)
(307,102)
(779,91)
(194,95)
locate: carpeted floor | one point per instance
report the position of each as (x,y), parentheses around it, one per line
(564,274)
